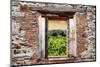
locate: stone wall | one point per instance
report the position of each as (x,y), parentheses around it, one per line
(86,32)
(90,30)
(81,35)
(25,31)
(24,34)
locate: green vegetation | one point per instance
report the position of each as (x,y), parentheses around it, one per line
(56,43)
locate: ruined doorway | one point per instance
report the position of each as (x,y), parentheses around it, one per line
(54,36)
(60,28)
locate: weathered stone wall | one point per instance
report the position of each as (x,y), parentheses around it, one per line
(90,30)
(24,34)
(81,35)
(25,31)
(86,32)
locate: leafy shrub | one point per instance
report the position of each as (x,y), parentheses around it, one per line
(56,43)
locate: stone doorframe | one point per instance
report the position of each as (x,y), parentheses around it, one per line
(72,38)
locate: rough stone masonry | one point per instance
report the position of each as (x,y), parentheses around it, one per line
(25,32)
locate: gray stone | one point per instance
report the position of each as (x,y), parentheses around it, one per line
(15,2)
(15,27)
(18,14)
